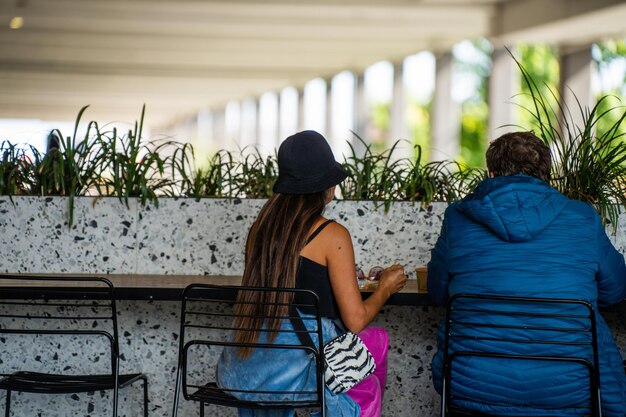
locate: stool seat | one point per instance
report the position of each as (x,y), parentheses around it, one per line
(59,307)
(211,393)
(45,383)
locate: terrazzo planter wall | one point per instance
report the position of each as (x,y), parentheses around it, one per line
(187,236)
(197,237)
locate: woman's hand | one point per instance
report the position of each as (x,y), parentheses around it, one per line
(392,279)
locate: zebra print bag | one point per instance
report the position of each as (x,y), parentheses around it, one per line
(348,362)
(346,358)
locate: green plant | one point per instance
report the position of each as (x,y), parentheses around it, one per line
(255,175)
(72,167)
(214,181)
(438,180)
(101,163)
(181,168)
(384,178)
(105,163)
(372,176)
(250,177)
(14,170)
(589,162)
(137,168)
(541,63)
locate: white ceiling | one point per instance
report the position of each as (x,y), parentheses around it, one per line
(179,56)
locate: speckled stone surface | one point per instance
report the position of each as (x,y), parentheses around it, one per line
(34,233)
(195,236)
(149,335)
(187,236)
(405,234)
(618,234)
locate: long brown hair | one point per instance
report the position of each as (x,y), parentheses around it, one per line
(273,247)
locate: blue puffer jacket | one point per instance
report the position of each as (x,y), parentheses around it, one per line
(518,236)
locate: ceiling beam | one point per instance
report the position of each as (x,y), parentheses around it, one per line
(163,43)
(355,31)
(174,71)
(178,56)
(269,12)
(179,62)
(559,21)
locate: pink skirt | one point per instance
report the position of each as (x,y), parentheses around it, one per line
(368,394)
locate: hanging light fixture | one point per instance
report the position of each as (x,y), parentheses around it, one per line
(17,22)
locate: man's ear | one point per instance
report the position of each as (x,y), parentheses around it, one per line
(491,175)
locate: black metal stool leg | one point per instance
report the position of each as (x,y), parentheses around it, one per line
(145,396)
(116,398)
(7,410)
(201,409)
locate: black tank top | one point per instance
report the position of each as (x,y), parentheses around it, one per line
(313,276)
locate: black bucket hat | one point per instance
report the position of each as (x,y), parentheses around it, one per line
(306,165)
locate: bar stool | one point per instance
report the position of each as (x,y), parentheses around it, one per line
(207,318)
(44,307)
(507,322)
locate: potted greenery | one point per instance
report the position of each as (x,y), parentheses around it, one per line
(384,195)
(589,160)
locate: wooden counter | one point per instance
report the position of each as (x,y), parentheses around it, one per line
(170,287)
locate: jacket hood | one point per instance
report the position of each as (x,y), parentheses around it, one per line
(515,208)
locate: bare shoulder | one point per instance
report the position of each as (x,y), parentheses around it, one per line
(337,233)
(337,248)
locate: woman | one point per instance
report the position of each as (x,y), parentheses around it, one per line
(291,245)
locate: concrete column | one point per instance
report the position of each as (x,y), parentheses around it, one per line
(202,145)
(504,83)
(233,126)
(288,113)
(279,121)
(268,119)
(361,115)
(204,123)
(219,128)
(259,126)
(300,109)
(399,131)
(575,83)
(328,123)
(446,114)
(249,123)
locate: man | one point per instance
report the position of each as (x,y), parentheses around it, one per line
(515,235)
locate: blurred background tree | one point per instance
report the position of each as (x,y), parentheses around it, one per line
(474,69)
(610,59)
(471,82)
(542,63)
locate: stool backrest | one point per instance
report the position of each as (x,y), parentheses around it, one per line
(208,317)
(33,309)
(503,328)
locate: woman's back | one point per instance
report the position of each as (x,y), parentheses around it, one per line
(313,272)
(290,245)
